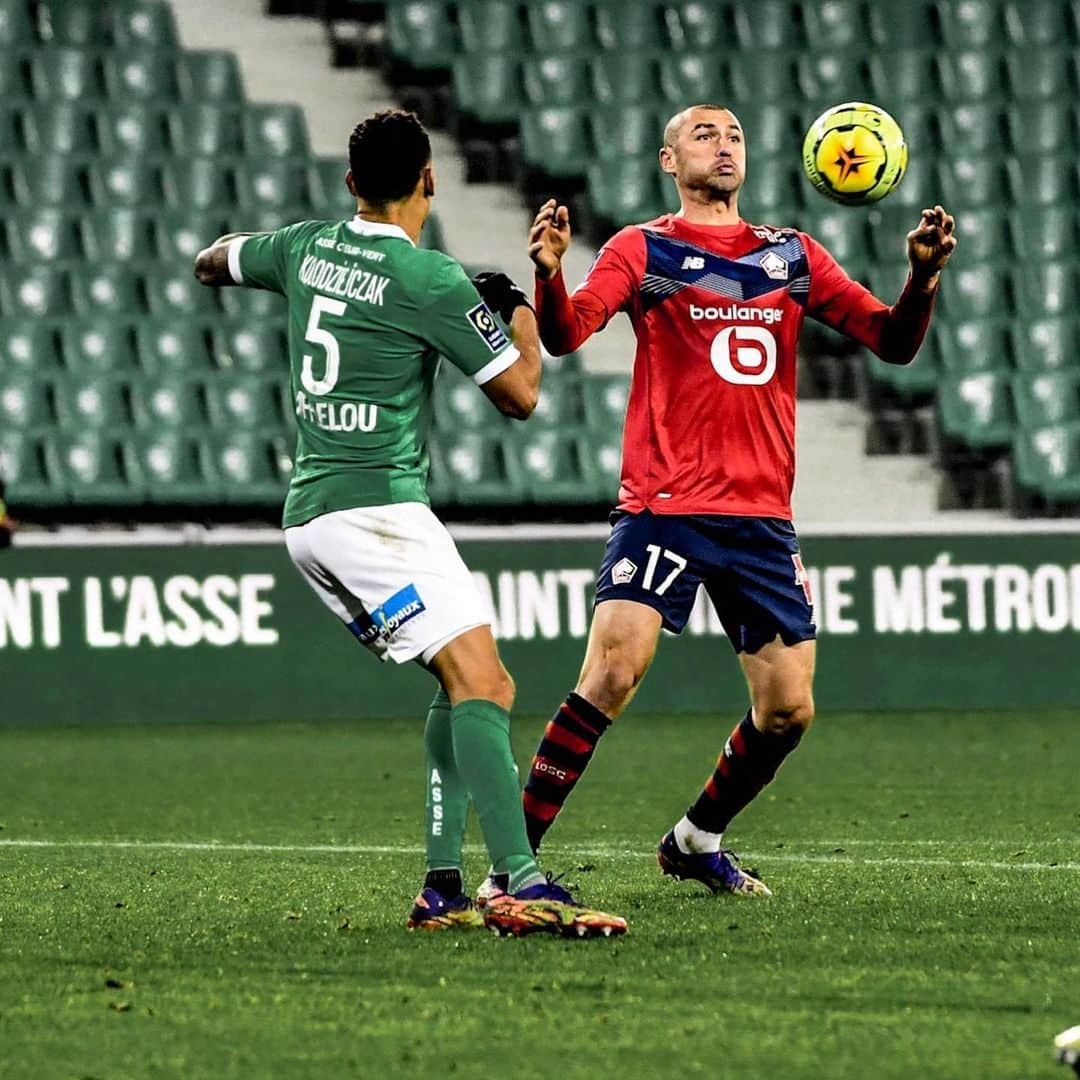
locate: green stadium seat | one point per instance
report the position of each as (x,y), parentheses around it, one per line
(899,26)
(329,193)
(1046,397)
(459,405)
(252,304)
(135,183)
(254,347)
(624,77)
(66,75)
(835,25)
(205,130)
(555,140)
(107,288)
(986,236)
(24,402)
(968,24)
(182,234)
(34,290)
(560,405)
(253,470)
(627,27)
(82,23)
(30,470)
(1038,73)
(141,75)
(824,79)
(604,400)
(1048,288)
(841,230)
(978,292)
(207,76)
(168,402)
(605,451)
(134,129)
(976,409)
(91,401)
(12,127)
(480,469)
(1047,344)
(96,345)
(777,185)
(172,346)
(922,124)
(275,131)
(421,33)
(908,382)
(1047,460)
(487,87)
(973,345)
(689,76)
(118,235)
(1037,22)
(890,222)
(1051,181)
(972,75)
(554,468)
(1045,232)
(16,27)
(244,401)
(556,80)
(16,83)
(173,290)
(1038,128)
(46,234)
(61,128)
(751,80)
(903,75)
(767,24)
(143,24)
(198,184)
(558,26)
(626,191)
(27,346)
(490,26)
(271,184)
(174,467)
(973,128)
(621,131)
(98,470)
(974,182)
(770,129)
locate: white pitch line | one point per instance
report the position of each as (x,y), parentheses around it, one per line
(607,851)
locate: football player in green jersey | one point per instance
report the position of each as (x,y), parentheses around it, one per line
(370,314)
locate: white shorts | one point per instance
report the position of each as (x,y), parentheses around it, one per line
(393,575)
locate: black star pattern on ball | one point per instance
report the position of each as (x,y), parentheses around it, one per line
(849,162)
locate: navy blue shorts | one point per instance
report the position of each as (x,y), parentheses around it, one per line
(750,567)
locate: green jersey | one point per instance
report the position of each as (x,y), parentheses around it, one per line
(369,316)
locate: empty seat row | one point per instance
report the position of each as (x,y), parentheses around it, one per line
(86,75)
(51,469)
(189,130)
(87,22)
(426,34)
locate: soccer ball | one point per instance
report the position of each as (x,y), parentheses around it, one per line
(855,153)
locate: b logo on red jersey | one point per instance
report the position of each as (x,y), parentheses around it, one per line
(744,355)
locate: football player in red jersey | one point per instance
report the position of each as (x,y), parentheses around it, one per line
(709,461)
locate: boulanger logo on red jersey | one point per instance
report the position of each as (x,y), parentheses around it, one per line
(743,355)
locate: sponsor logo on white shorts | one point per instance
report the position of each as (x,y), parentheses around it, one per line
(622,573)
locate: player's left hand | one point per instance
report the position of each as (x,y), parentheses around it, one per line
(931,244)
(501,293)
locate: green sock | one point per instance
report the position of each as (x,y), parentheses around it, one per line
(482,751)
(447,796)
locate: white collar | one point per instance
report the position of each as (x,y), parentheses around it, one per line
(377,228)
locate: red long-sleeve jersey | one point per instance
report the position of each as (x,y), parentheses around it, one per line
(710,422)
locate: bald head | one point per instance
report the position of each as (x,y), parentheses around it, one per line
(673,128)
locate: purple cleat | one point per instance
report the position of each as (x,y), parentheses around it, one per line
(717,870)
(433,911)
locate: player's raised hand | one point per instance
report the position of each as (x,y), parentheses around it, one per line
(930,244)
(549,238)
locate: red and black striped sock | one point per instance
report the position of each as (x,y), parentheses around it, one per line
(565,749)
(749,761)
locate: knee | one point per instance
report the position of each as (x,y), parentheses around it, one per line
(785,717)
(494,685)
(610,682)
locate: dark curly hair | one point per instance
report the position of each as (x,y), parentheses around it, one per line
(387,153)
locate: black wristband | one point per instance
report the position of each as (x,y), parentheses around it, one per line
(501,293)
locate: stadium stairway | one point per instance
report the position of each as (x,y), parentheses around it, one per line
(287,59)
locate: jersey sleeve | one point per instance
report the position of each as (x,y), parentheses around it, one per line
(261,261)
(457,322)
(566,321)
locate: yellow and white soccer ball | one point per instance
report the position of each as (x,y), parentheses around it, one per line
(855,153)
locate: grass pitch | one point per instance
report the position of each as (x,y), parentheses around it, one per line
(229,903)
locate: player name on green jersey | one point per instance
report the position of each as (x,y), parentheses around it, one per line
(369,316)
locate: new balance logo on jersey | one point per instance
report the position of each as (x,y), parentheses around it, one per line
(735,313)
(693,262)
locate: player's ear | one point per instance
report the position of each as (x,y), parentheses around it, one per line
(351,185)
(667,160)
(428,177)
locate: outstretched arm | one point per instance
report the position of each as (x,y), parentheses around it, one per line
(212,263)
